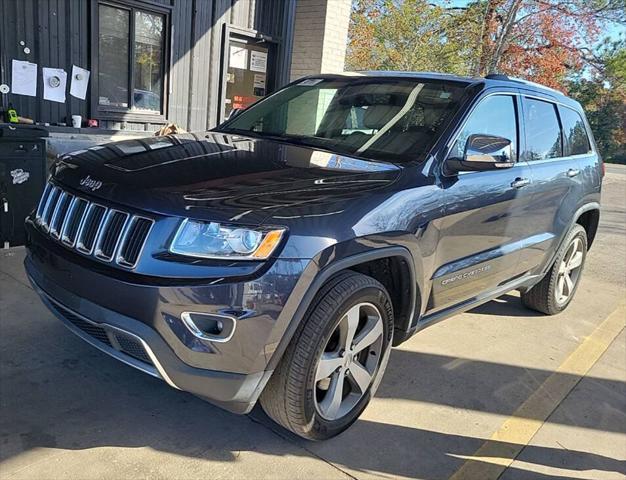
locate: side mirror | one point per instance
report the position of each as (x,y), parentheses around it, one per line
(483,152)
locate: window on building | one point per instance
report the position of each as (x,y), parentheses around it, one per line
(494,115)
(576,138)
(543,133)
(130,59)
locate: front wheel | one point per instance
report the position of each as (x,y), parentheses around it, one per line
(336,360)
(556,290)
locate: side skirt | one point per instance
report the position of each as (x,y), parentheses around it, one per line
(428,320)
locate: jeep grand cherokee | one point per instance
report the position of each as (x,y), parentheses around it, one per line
(280,256)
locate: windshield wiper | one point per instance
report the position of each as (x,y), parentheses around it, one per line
(287,138)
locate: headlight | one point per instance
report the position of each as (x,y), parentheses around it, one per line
(213,240)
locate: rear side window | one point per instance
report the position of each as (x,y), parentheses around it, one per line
(494,115)
(576,138)
(543,132)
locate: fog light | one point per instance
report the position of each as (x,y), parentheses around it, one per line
(209,326)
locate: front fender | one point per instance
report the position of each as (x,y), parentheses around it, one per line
(328,263)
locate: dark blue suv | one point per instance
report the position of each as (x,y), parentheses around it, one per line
(280,256)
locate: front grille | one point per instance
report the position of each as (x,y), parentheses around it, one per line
(122,342)
(92,229)
(90,329)
(131,346)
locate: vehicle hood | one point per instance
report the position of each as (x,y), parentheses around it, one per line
(219,177)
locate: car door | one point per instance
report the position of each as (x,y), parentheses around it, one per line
(555,143)
(484,224)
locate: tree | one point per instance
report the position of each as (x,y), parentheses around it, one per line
(603,95)
(542,40)
(411,35)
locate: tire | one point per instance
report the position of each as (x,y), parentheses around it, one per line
(295,397)
(546,296)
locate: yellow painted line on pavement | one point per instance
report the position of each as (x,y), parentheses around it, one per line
(499,452)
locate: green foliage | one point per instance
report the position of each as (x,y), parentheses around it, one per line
(604,98)
(412,35)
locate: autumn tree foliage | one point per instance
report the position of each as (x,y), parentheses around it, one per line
(542,40)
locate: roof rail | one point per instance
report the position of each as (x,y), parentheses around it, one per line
(497,76)
(500,76)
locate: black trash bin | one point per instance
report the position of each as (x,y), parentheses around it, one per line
(22,178)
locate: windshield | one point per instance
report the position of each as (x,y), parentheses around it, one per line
(388,119)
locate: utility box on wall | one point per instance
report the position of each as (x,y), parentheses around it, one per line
(22,179)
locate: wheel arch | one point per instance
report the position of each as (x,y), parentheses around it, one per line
(361,262)
(589,218)
(576,219)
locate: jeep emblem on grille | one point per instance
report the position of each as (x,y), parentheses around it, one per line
(90,183)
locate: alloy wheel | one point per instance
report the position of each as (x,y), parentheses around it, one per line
(349,361)
(569,271)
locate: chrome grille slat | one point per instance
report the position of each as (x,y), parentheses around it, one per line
(90,229)
(43,201)
(60,212)
(110,235)
(95,230)
(74,221)
(133,240)
(49,208)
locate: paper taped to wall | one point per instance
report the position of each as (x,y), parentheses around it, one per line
(54,83)
(80,80)
(238,57)
(24,78)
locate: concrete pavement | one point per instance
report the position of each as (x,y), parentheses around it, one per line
(69,411)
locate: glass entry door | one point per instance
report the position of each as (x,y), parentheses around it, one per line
(246,73)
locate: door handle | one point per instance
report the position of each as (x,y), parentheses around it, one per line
(520,182)
(572,172)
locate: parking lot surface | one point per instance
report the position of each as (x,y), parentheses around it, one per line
(500,391)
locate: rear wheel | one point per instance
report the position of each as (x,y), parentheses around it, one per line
(335,362)
(555,291)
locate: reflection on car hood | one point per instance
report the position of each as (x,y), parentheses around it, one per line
(219,176)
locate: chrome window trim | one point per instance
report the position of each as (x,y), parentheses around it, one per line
(590,140)
(556,102)
(457,133)
(459,130)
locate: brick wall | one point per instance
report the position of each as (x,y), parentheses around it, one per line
(320,37)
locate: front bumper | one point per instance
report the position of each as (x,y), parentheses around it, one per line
(139,346)
(138,320)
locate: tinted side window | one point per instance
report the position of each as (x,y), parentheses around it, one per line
(576,138)
(493,116)
(543,133)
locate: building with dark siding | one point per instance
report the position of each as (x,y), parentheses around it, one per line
(153,62)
